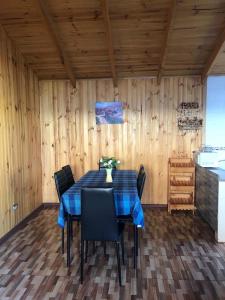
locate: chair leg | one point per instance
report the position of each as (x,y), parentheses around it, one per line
(82,261)
(104,245)
(68,240)
(93,247)
(135,245)
(137,242)
(118,261)
(71,230)
(122,246)
(62,240)
(86,251)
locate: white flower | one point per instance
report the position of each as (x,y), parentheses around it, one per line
(118,161)
(110,161)
(101,160)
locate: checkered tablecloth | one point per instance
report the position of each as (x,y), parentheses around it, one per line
(126,197)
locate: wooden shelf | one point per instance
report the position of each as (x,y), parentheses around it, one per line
(181,188)
(183,169)
(182,165)
(182,207)
(181,184)
(181,198)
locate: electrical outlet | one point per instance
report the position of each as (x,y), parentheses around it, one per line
(15,206)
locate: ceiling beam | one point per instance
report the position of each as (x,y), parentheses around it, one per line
(212,57)
(105,11)
(52,27)
(170,21)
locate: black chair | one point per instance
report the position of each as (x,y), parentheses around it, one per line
(129,219)
(99,222)
(141,170)
(140,187)
(102,167)
(69,175)
(61,184)
(61,187)
(141,182)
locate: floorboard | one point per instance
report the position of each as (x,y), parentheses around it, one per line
(179,259)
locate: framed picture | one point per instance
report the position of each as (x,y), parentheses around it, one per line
(109,112)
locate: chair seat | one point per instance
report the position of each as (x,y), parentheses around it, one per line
(75,217)
(125,218)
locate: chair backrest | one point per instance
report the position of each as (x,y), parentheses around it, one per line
(98,217)
(101,166)
(69,175)
(141,170)
(140,175)
(140,183)
(60,183)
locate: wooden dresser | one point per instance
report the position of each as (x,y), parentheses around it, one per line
(181,184)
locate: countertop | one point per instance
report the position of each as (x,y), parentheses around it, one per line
(218,171)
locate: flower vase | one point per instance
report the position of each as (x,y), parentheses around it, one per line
(109,175)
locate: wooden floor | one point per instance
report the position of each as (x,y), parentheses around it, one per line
(179,259)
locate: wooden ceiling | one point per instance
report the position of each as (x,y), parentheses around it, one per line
(118,38)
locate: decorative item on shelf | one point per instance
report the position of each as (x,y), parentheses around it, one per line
(109,163)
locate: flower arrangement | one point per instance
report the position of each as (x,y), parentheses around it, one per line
(109,162)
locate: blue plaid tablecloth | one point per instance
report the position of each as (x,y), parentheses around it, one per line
(126,197)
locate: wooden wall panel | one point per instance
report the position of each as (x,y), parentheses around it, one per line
(20,154)
(149,134)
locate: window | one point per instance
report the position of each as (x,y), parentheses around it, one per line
(215,112)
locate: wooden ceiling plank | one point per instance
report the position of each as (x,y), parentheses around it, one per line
(170,21)
(57,40)
(218,47)
(105,11)
(193,35)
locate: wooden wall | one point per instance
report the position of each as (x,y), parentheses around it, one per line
(20,159)
(149,134)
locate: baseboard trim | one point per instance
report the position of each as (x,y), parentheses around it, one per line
(155,206)
(21,224)
(47,205)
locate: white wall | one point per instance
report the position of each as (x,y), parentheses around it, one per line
(215,111)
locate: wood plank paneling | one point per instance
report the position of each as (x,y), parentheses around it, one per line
(139,31)
(20,160)
(149,134)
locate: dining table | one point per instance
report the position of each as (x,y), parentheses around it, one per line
(124,184)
